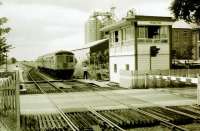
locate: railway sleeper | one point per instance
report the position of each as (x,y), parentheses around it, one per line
(74,120)
(190,108)
(160,114)
(187,112)
(81,119)
(124,123)
(135,115)
(113,119)
(176,118)
(90,119)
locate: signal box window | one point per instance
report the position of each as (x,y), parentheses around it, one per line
(199,51)
(115,68)
(127,67)
(199,35)
(142,32)
(153,31)
(116,36)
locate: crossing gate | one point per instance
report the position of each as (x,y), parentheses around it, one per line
(9,101)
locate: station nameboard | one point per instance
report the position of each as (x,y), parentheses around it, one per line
(154,23)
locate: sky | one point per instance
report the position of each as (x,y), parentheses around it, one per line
(44,26)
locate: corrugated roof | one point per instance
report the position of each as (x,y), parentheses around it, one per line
(91,44)
(181,24)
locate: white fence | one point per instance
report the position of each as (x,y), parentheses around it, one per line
(141,79)
(9,101)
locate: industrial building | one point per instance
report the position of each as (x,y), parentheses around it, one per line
(96,42)
(130,42)
(97,21)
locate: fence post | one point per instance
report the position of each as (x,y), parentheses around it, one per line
(146,81)
(17,102)
(198,91)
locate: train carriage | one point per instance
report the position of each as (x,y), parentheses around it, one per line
(59,64)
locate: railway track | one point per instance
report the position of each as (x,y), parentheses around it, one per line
(123,118)
(53,86)
(45,86)
(170,117)
(44,89)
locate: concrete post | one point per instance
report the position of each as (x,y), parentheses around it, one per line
(17,100)
(198,91)
(146,81)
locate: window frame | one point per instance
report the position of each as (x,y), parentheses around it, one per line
(127,67)
(116,36)
(115,68)
(199,51)
(199,35)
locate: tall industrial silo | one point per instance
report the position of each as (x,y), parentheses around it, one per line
(92,29)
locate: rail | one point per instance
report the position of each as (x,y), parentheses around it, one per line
(163,121)
(41,80)
(69,122)
(111,124)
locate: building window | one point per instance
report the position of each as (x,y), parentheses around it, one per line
(121,36)
(116,36)
(115,68)
(199,51)
(153,32)
(185,33)
(142,32)
(176,36)
(127,67)
(199,35)
(163,32)
(124,34)
(128,33)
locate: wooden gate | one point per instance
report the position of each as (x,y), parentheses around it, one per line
(9,101)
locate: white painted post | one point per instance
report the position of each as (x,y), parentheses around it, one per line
(198,91)
(17,100)
(145,81)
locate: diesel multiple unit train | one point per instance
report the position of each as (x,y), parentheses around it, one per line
(60,64)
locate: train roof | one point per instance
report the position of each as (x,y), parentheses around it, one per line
(61,52)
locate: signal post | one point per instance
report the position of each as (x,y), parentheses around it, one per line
(153,53)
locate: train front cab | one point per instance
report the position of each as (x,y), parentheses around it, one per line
(65,63)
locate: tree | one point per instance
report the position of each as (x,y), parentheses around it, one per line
(93,58)
(106,56)
(188,10)
(13,60)
(99,58)
(4,47)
